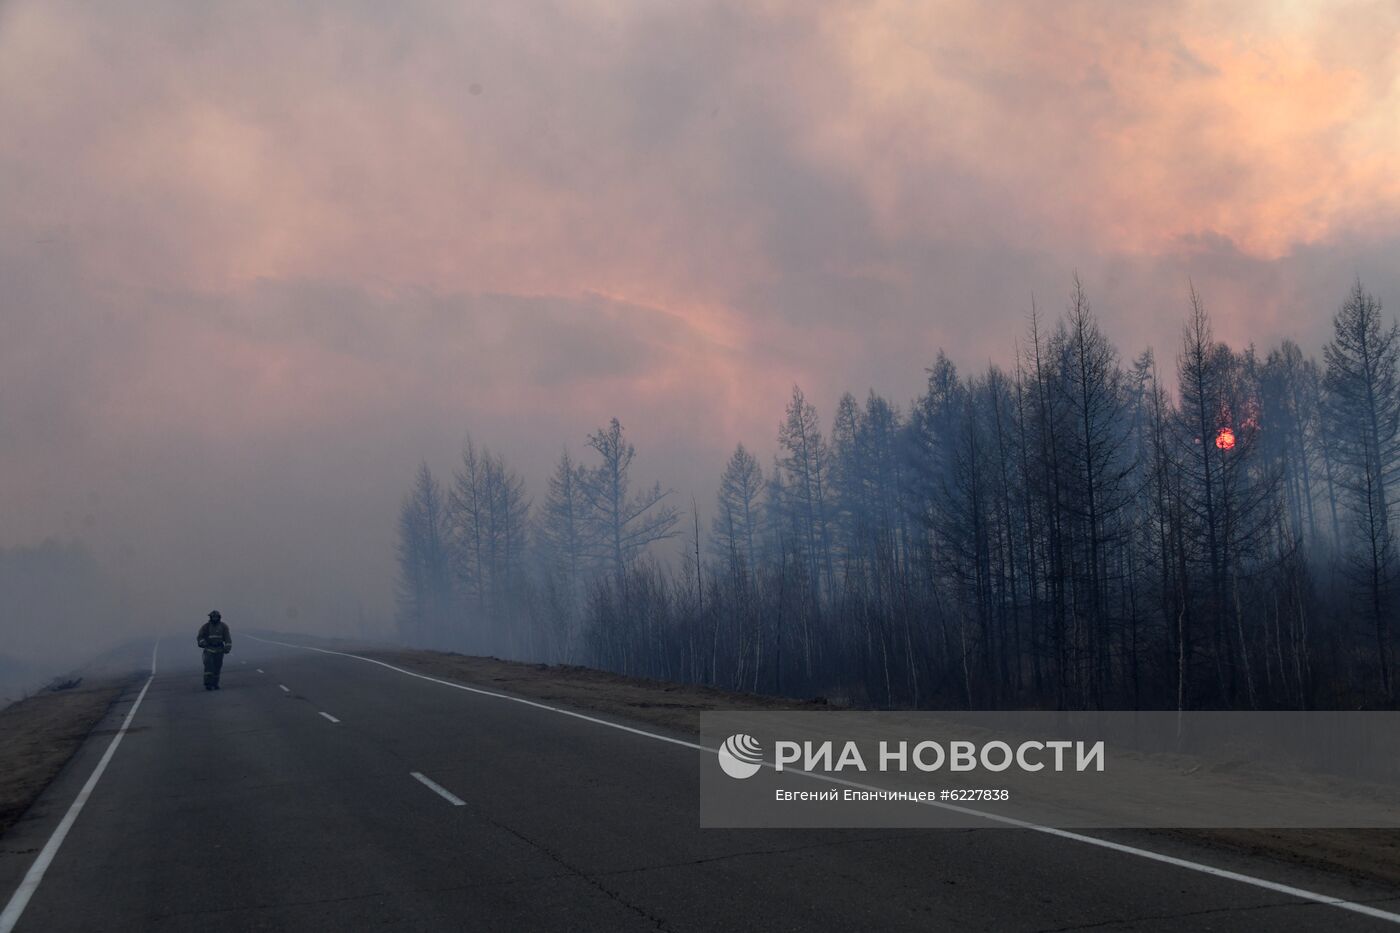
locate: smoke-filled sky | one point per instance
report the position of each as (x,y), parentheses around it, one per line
(257,260)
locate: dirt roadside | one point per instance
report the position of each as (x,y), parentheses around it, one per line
(656,702)
(1371,854)
(40,733)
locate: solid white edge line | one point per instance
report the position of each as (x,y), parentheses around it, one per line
(438,789)
(1301,893)
(330,717)
(20,899)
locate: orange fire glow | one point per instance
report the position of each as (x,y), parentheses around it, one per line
(1225,440)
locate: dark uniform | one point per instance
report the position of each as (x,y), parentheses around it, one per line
(216,641)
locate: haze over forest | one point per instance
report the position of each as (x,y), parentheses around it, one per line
(256,265)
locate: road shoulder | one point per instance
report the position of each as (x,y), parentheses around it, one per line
(41,733)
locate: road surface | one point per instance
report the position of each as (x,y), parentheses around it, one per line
(320,792)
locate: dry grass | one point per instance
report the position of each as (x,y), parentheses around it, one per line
(659,703)
(40,733)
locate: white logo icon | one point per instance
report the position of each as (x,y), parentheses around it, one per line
(741,756)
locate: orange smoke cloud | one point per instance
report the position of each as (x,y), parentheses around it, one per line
(355,217)
(1134,127)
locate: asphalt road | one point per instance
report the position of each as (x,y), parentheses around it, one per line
(288,801)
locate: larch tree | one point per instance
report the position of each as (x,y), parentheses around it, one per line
(806,463)
(735,532)
(424,587)
(1363,403)
(623,525)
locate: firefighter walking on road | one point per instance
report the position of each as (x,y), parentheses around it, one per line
(216,641)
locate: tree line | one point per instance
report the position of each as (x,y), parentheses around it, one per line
(1078,530)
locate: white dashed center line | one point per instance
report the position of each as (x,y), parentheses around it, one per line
(284,688)
(330,717)
(438,789)
(261,671)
